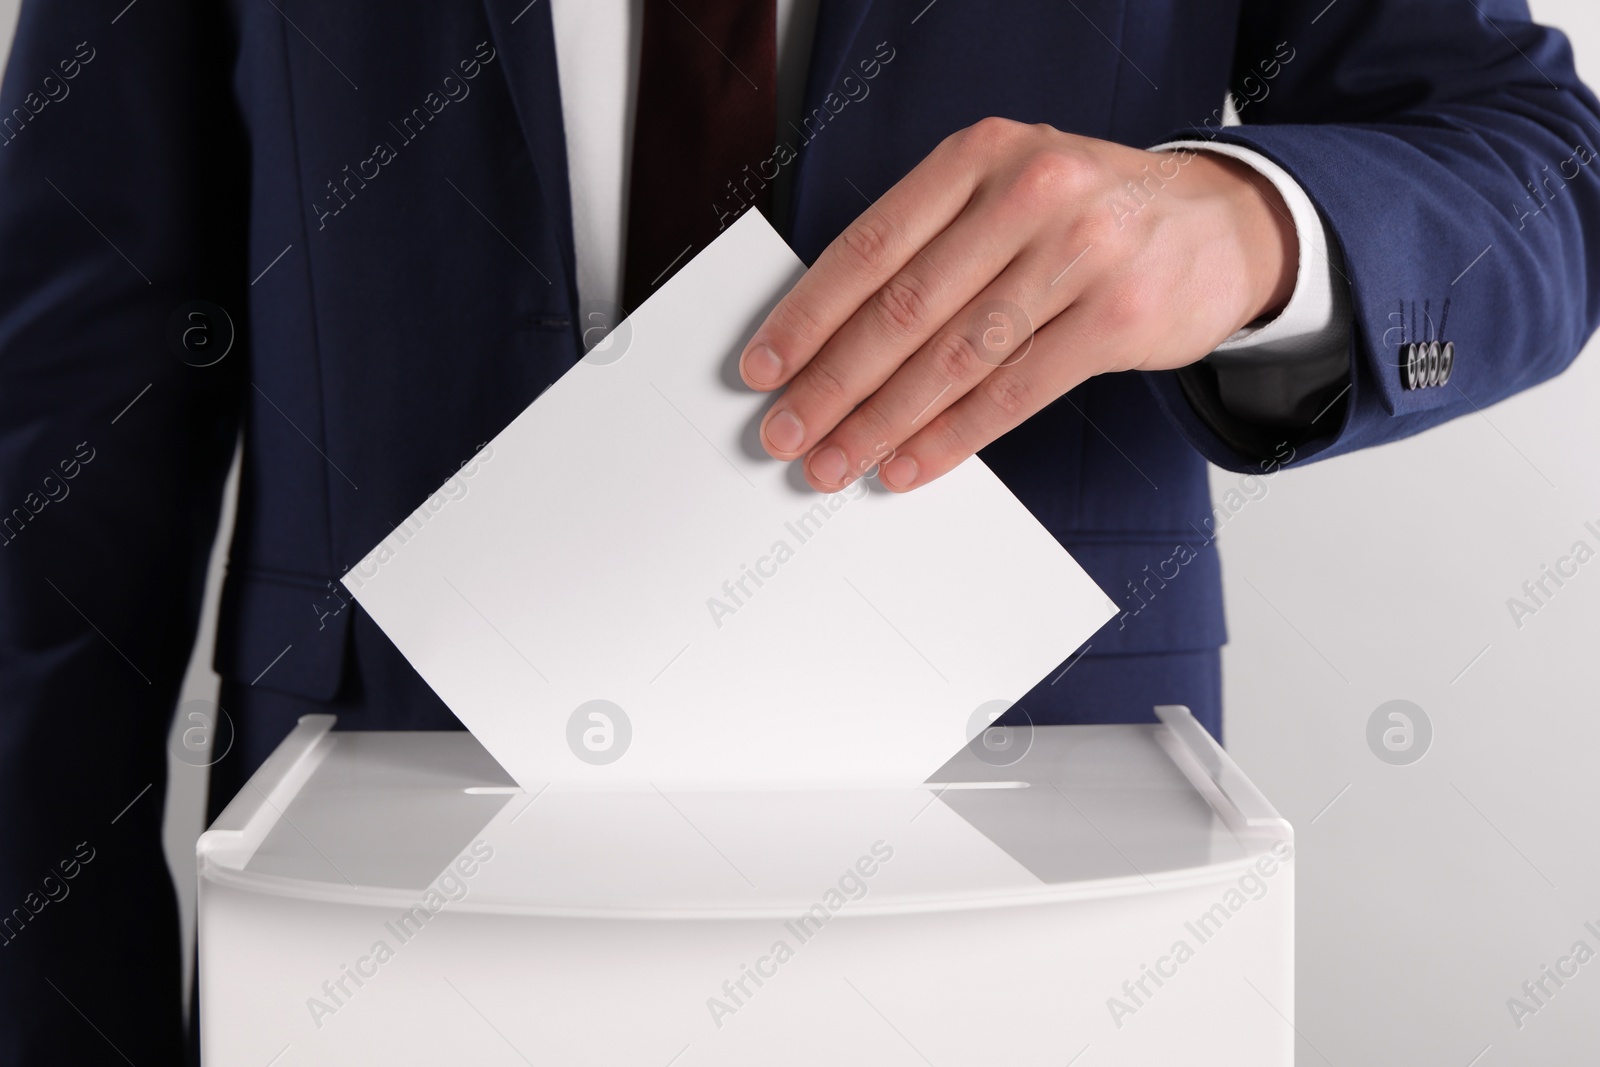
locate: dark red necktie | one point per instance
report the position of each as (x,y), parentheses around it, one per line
(706,117)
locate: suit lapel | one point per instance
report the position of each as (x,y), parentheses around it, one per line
(838,24)
(525,42)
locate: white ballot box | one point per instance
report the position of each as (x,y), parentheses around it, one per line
(1092,895)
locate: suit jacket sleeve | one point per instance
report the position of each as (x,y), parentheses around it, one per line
(120,202)
(1455,157)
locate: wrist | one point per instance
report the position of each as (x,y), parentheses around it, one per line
(1266,231)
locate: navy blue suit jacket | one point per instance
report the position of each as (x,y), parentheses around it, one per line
(377,200)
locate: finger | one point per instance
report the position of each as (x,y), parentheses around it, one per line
(1079,343)
(993,332)
(869,252)
(889,328)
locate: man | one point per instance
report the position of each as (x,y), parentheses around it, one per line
(369,237)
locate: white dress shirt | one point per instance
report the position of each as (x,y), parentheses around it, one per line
(597,60)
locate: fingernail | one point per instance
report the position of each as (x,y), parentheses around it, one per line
(899,472)
(829,466)
(762,365)
(785,431)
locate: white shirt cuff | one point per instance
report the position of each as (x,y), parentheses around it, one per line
(1316,320)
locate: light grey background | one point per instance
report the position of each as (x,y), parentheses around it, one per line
(1428,893)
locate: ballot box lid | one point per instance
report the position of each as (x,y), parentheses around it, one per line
(1046,814)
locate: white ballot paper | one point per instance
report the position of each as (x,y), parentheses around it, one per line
(623,589)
